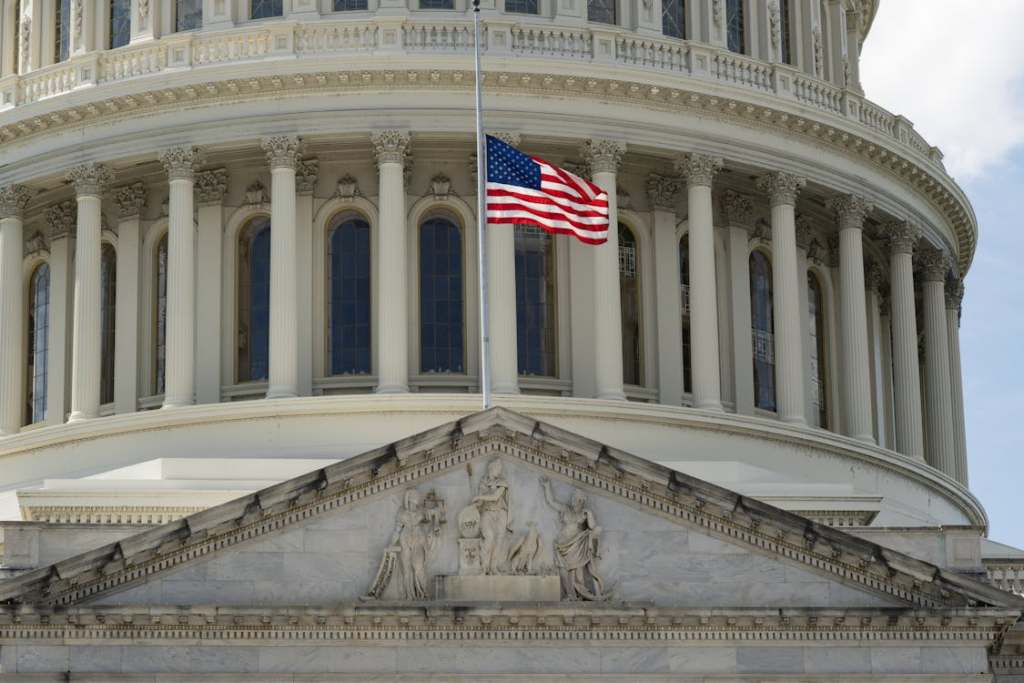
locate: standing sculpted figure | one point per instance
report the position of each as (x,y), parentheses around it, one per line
(495,527)
(414,537)
(576,546)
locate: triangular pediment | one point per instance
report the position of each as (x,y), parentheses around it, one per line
(480,532)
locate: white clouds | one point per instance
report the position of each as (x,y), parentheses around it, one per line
(957,71)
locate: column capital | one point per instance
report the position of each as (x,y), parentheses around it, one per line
(954,293)
(781,187)
(935,265)
(13,200)
(698,169)
(850,209)
(306,175)
(90,179)
(885,300)
(130,200)
(62,219)
(603,156)
(283,151)
(804,232)
(874,277)
(182,163)
(391,146)
(211,186)
(902,236)
(663,192)
(738,209)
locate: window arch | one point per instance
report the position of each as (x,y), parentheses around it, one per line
(442,295)
(601,11)
(253,331)
(348,294)
(266,9)
(62,31)
(736,25)
(120,23)
(629,300)
(684,308)
(108,312)
(188,15)
(819,365)
(536,295)
(160,314)
(673,18)
(762,330)
(38,341)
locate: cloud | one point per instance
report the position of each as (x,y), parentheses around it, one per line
(956,73)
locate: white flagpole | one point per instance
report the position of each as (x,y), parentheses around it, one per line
(481,211)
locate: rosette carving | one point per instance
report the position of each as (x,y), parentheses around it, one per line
(935,264)
(90,179)
(603,156)
(698,169)
(130,201)
(851,210)
(902,236)
(391,146)
(663,192)
(283,151)
(182,163)
(62,219)
(781,187)
(738,209)
(212,186)
(13,200)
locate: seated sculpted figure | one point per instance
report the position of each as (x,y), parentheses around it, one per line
(576,547)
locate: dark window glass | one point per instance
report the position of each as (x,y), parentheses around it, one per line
(762,331)
(684,306)
(120,22)
(254,300)
(437,4)
(348,295)
(38,341)
(108,311)
(160,324)
(62,31)
(264,9)
(535,301)
(785,28)
(629,293)
(442,347)
(673,18)
(188,15)
(349,5)
(601,11)
(735,23)
(819,371)
(521,6)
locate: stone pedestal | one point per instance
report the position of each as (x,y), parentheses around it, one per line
(482,588)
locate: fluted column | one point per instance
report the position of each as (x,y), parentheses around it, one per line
(856,385)
(603,157)
(698,170)
(738,211)
(211,188)
(130,202)
(307,173)
(182,163)
(501,297)
(89,181)
(391,148)
(663,194)
(13,200)
(61,220)
(782,190)
(873,280)
(283,153)
(935,266)
(954,297)
(906,375)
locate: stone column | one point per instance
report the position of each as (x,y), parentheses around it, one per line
(603,157)
(851,66)
(307,173)
(182,164)
(887,396)
(283,153)
(782,189)
(738,211)
(90,181)
(664,196)
(804,239)
(211,188)
(61,219)
(906,375)
(391,148)
(501,295)
(13,200)
(954,297)
(698,170)
(856,384)
(935,266)
(143,14)
(130,201)
(873,279)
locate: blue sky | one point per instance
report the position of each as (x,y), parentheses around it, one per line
(961,81)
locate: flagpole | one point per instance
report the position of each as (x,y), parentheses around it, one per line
(481,212)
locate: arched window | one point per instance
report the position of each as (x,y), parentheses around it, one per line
(684,307)
(120,22)
(348,295)
(735,25)
(442,301)
(254,300)
(601,11)
(349,5)
(38,341)
(108,310)
(762,330)
(629,293)
(785,32)
(521,6)
(188,15)
(819,369)
(160,319)
(265,9)
(673,18)
(535,301)
(62,30)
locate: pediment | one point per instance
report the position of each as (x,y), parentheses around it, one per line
(461,514)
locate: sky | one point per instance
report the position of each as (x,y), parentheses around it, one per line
(960,80)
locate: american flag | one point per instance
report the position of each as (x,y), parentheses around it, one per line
(528,190)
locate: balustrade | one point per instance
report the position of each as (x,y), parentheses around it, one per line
(1007,575)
